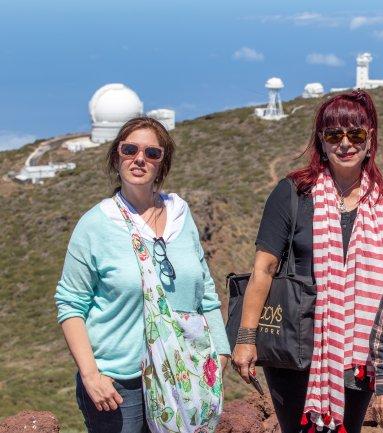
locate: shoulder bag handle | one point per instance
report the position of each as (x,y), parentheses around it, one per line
(290,268)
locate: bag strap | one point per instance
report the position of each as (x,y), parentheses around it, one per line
(290,259)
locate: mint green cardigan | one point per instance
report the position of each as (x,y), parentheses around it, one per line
(101,283)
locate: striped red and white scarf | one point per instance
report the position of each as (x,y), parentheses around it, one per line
(348,297)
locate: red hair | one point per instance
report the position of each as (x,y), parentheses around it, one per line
(353,109)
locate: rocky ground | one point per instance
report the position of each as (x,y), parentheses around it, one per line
(30,421)
(254,414)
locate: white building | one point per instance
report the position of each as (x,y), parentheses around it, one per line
(362,74)
(313,90)
(165,116)
(110,107)
(79,144)
(363,81)
(274,109)
(339,89)
(35,173)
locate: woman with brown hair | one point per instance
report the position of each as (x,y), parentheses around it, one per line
(338,243)
(135,284)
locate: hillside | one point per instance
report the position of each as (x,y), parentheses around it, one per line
(225,166)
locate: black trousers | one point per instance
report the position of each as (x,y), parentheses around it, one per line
(288,392)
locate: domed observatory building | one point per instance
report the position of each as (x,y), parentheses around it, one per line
(274,109)
(110,107)
(313,90)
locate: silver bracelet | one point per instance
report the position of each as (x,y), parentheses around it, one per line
(246,335)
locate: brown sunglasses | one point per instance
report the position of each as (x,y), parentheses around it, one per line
(354,135)
(130,150)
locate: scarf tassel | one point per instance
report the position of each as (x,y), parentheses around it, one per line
(304,420)
(327,419)
(319,422)
(313,428)
(360,372)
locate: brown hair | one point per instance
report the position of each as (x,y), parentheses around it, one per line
(164,140)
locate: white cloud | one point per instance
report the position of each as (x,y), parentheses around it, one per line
(248,54)
(307,18)
(361,21)
(13,140)
(311,18)
(324,59)
(357,22)
(302,19)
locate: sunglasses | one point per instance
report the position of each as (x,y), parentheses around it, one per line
(354,135)
(166,268)
(130,150)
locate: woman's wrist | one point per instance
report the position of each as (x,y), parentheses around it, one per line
(246,335)
(87,374)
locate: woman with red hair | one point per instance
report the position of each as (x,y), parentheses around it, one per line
(338,242)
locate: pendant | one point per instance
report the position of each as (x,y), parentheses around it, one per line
(341,206)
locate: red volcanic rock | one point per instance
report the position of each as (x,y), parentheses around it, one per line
(30,422)
(370,418)
(254,414)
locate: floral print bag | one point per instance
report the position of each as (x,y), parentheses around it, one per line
(181,372)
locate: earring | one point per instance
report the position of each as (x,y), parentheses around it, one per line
(324,157)
(368,154)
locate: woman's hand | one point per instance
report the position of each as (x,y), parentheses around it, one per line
(99,387)
(102,392)
(378,409)
(243,359)
(224,360)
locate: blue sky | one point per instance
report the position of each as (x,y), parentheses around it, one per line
(194,56)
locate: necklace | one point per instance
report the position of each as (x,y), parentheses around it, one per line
(156,200)
(152,213)
(155,223)
(341,205)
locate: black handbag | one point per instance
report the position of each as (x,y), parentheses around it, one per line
(285,333)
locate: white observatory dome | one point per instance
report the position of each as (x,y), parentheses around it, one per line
(110,107)
(313,90)
(274,83)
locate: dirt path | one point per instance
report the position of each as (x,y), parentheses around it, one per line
(273,171)
(272,174)
(48,145)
